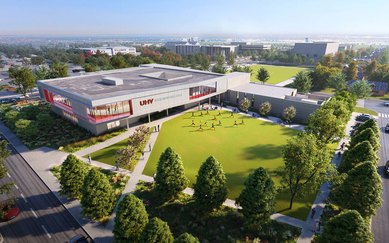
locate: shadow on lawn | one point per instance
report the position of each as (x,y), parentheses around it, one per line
(259,151)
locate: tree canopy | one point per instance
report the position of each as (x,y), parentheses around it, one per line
(302,82)
(360,88)
(244,104)
(264,108)
(186,238)
(361,152)
(366,134)
(23,78)
(157,231)
(72,175)
(289,113)
(263,75)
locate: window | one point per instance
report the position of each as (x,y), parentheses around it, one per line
(200,91)
(58,100)
(110,111)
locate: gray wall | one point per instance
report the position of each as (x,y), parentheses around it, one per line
(303,110)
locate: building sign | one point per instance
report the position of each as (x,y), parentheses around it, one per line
(146,102)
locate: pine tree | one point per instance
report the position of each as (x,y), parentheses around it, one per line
(371,123)
(157,231)
(359,153)
(72,175)
(186,238)
(366,134)
(210,190)
(361,190)
(170,179)
(257,199)
(97,198)
(131,219)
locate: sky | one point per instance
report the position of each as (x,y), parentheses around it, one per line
(193,18)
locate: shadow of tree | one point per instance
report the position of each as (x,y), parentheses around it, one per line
(262,151)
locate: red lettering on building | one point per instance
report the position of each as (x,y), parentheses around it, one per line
(146,102)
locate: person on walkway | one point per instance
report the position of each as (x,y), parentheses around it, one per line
(89,159)
(342,146)
(149,147)
(143,154)
(313,213)
(117,166)
(158,127)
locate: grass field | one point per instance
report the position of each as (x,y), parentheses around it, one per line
(277,73)
(365,111)
(240,149)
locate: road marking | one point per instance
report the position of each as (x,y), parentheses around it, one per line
(47,232)
(16,186)
(33,212)
(8,175)
(25,200)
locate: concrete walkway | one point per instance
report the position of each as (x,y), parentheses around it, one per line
(311,222)
(286,82)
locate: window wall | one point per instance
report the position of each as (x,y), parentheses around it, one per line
(58,100)
(203,90)
(109,112)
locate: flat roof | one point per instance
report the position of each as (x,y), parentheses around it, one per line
(264,90)
(137,79)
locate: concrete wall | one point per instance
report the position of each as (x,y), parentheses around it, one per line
(303,110)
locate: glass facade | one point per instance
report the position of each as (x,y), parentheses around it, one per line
(109,112)
(200,91)
(58,100)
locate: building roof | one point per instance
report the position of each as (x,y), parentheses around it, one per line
(264,90)
(128,81)
(375,85)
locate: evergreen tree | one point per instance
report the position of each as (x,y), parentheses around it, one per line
(210,190)
(263,75)
(302,82)
(257,199)
(186,238)
(366,134)
(371,123)
(97,197)
(361,190)
(73,172)
(157,231)
(352,71)
(131,219)
(359,153)
(170,179)
(346,227)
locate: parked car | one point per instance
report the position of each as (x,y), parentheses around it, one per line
(387,128)
(363,117)
(78,239)
(11,212)
(387,168)
(386,103)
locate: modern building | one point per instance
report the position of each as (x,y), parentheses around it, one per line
(244,47)
(107,100)
(111,51)
(316,50)
(192,48)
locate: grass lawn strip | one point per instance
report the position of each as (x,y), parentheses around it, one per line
(240,149)
(365,111)
(277,73)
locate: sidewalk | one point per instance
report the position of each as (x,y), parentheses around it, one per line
(307,232)
(286,82)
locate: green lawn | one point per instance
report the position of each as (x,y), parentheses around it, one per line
(365,111)
(239,148)
(277,73)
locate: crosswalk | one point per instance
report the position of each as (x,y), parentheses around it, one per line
(383,115)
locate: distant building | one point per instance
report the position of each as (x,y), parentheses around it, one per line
(192,47)
(316,50)
(378,88)
(111,51)
(244,46)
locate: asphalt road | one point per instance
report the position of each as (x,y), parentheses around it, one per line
(380,222)
(43,218)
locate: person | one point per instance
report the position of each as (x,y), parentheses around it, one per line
(213,126)
(150,147)
(89,159)
(201,113)
(192,114)
(232,114)
(205,124)
(193,124)
(207,112)
(220,113)
(220,123)
(117,166)
(342,146)
(339,154)
(242,122)
(201,127)
(158,127)
(235,124)
(313,213)
(143,154)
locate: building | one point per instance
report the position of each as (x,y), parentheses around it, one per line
(111,51)
(378,88)
(192,48)
(249,47)
(107,100)
(316,50)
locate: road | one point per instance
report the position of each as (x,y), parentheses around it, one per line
(380,223)
(43,218)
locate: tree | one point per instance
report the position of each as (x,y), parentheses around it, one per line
(231,59)
(131,219)
(90,67)
(157,231)
(361,190)
(186,238)
(118,61)
(263,75)
(306,165)
(37,60)
(366,134)
(371,68)
(170,179)
(346,227)
(58,70)
(72,175)
(4,153)
(371,123)
(26,129)
(320,76)
(244,104)
(289,113)
(210,190)
(359,153)
(257,199)
(97,196)
(23,78)
(360,88)
(337,81)
(352,71)
(42,73)
(325,125)
(125,156)
(264,108)
(302,82)
(339,108)
(219,69)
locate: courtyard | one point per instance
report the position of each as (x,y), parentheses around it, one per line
(241,143)
(277,73)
